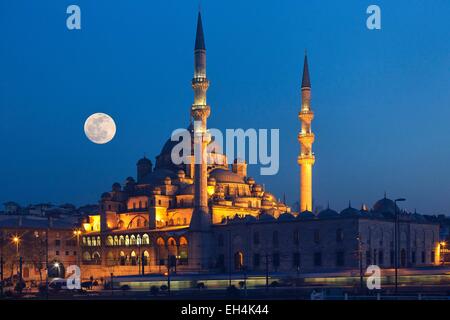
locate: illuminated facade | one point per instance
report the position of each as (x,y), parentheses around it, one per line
(212,217)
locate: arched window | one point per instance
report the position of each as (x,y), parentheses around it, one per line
(161,252)
(116,241)
(98,241)
(96,258)
(133,240)
(238,260)
(121,241)
(86,256)
(84,240)
(133,258)
(110,258)
(127,240)
(183,252)
(109,241)
(145,258)
(123,258)
(93,242)
(145,239)
(138,240)
(172,246)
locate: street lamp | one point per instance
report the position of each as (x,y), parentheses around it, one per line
(442,245)
(16,241)
(77,233)
(396,232)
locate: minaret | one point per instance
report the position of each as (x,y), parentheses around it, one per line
(306,158)
(201,219)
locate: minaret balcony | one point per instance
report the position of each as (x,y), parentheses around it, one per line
(306,116)
(306,159)
(306,138)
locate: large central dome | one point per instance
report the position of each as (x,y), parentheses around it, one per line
(164,160)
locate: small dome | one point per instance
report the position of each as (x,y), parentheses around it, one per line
(286,217)
(211,181)
(328,213)
(226,176)
(236,219)
(350,212)
(306,215)
(181,174)
(144,161)
(157,190)
(116,187)
(250,181)
(385,205)
(257,187)
(265,217)
(106,196)
(250,218)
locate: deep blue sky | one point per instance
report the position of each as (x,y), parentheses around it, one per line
(381,98)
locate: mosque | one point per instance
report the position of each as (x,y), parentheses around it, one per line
(213,217)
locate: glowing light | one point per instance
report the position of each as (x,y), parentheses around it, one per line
(56,265)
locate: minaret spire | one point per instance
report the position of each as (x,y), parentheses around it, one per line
(199,37)
(306,83)
(200,224)
(306,158)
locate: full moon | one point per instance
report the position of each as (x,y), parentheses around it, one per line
(100,128)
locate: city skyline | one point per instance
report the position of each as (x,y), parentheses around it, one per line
(354,147)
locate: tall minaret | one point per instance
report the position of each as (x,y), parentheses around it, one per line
(306,158)
(201,219)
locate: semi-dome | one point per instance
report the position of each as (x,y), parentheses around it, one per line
(187,190)
(306,215)
(286,217)
(328,213)
(157,177)
(226,176)
(268,196)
